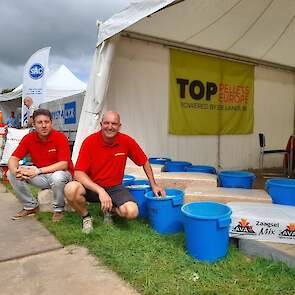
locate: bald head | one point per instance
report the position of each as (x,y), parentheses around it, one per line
(111,115)
(110,126)
(28,101)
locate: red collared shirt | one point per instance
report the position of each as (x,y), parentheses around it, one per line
(44,153)
(105,163)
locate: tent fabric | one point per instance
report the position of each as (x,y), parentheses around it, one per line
(96,92)
(60,83)
(262,30)
(127,17)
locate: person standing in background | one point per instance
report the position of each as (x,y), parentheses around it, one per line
(11,121)
(29,109)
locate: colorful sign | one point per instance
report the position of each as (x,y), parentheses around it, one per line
(209,96)
(34,78)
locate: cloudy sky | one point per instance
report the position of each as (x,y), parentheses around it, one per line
(67,26)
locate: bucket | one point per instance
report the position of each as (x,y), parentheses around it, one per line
(138,188)
(176,166)
(160,161)
(237,179)
(281,190)
(128,180)
(206,227)
(201,168)
(165,213)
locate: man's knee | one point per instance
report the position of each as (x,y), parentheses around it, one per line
(129,210)
(59,177)
(73,190)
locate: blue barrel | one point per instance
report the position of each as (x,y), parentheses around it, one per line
(206,227)
(128,179)
(160,161)
(165,213)
(201,168)
(138,188)
(176,166)
(237,179)
(281,190)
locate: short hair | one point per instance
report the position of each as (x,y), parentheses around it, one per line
(42,112)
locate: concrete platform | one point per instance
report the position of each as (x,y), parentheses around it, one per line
(225,195)
(68,271)
(19,238)
(274,251)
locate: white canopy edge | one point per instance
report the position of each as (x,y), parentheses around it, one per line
(136,11)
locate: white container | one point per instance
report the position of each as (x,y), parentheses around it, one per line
(263,222)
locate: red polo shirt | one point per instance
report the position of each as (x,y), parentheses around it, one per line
(44,153)
(105,163)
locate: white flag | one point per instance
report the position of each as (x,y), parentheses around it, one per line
(35,73)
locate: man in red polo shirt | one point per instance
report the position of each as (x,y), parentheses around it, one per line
(100,169)
(53,168)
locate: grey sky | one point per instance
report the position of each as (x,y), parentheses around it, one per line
(68,26)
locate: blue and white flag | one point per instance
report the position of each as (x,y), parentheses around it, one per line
(34,78)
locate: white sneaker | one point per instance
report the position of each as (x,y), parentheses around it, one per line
(87,226)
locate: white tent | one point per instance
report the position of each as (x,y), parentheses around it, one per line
(60,83)
(130,73)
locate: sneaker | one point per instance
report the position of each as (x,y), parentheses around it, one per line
(87,226)
(57,216)
(107,218)
(24,213)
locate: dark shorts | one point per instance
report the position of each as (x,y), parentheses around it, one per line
(119,195)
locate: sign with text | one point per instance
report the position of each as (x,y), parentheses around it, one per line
(209,96)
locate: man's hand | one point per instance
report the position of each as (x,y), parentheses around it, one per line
(28,172)
(18,174)
(159,191)
(105,200)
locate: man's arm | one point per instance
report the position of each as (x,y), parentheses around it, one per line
(13,166)
(85,180)
(28,172)
(158,191)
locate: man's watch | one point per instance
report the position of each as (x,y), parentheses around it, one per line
(39,171)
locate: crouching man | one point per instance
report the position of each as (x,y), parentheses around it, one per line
(53,168)
(100,169)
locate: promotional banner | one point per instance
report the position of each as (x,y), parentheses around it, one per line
(209,96)
(34,78)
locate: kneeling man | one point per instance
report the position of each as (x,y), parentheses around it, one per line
(53,168)
(100,169)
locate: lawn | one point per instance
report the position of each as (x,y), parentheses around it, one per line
(156,264)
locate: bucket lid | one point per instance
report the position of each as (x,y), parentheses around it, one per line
(282,182)
(140,185)
(171,193)
(236,174)
(206,210)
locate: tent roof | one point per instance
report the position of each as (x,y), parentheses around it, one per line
(60,83)
(260,30)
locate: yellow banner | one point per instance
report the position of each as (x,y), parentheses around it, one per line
(209,95)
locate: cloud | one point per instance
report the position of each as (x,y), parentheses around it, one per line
(68,26)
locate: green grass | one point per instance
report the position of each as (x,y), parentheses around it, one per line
(156,264)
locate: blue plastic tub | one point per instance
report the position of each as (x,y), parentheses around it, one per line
(201,168)
(160,161)
(237,179)
(138,194)
(128,179)
(165,213)
(281,190)
(176,166)
(206,227)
